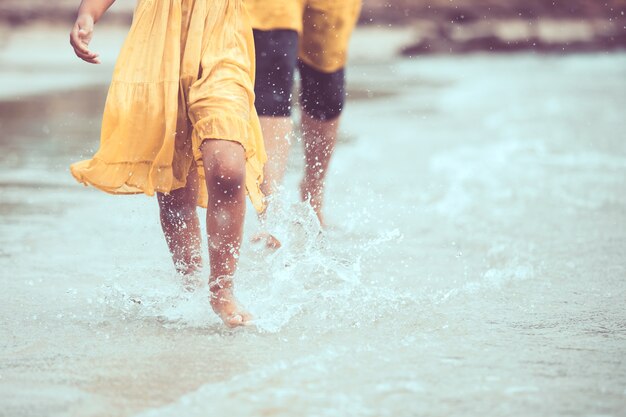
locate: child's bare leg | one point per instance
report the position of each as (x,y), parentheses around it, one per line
(181,227)
(276,135)
(224,169)
(320,137)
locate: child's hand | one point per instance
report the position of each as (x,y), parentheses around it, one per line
(81,35)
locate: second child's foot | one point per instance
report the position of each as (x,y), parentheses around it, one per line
(189,267)
(270,241)
(225,304)
(189,273)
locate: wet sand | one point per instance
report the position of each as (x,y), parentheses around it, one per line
(475,264)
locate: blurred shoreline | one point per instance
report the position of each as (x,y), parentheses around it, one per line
(437,26)
(56,68)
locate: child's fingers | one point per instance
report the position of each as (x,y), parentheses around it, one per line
(78,42)
(87,56)
(91,60)
(83,53)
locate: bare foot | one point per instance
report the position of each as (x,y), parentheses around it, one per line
(226,307)
(271,242)
(189,267)
(191,282)
(225,304)
(189,273)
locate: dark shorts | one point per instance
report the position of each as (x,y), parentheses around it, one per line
(322,95)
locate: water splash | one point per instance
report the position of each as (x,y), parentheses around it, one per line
(316,274)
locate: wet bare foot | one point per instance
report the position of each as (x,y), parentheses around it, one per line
(192,282)
(189,267)
(225,304)
(190,274)
(271,242)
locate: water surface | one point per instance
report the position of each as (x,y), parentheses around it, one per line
(475,262)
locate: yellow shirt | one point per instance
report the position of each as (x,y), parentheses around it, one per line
(325,26)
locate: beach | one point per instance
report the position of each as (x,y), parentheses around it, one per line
(474,261)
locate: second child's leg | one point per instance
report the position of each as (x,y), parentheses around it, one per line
(327,27)
(224,170)
(276,134)
(181,227)
(320,137)
(276,58)
(322,100)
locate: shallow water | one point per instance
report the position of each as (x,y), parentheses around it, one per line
(475,262)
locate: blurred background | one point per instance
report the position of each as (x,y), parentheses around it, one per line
(475,259)
(440,25)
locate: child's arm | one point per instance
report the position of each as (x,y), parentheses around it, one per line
(89,12)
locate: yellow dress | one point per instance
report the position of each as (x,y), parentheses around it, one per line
(184,74)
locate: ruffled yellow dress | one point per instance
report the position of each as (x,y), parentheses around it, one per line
(185,74)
